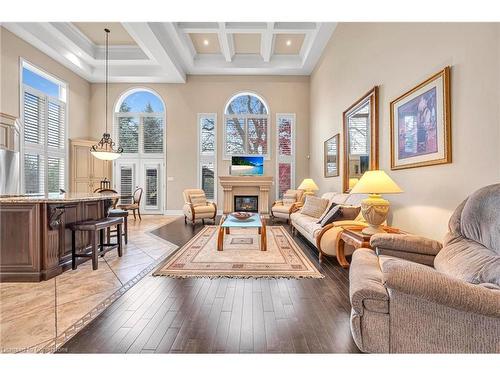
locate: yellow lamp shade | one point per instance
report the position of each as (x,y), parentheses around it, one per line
(308,185)
(376,182)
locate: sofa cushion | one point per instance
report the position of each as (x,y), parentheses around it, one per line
(198,199)
(281,208)
(348,212)
(480,219)
(332,215)
(314,206)
(289,198)
(468,260)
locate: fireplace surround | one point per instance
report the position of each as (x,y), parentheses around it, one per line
(246,186)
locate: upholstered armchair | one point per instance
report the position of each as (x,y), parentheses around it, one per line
(197,207)
(292,201)
(416,295)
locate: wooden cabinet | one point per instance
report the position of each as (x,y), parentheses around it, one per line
(87,171)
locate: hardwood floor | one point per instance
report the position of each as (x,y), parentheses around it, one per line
(165,315)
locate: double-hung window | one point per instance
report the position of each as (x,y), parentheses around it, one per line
(207,154)
(246,126)
(43,114)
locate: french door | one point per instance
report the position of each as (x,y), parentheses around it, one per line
(147,174)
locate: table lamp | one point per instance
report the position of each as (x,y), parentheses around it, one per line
(375,208)
(309,186)
(353,181)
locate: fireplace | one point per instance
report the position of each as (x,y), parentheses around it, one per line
(246,203)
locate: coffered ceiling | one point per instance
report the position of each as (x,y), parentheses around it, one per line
(168,51)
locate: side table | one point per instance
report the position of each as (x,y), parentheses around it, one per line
(356,238)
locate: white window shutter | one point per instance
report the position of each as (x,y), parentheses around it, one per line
(207,154)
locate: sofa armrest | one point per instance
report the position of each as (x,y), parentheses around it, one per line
(406,243)
(428,284)
(278,202)
(296,207)
(366,288)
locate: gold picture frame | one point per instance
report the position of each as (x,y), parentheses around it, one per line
(422,135)
(327,147)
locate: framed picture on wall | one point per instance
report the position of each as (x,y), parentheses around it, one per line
(331,157)
(421,124)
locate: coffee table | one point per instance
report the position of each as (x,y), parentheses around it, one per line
(255,221)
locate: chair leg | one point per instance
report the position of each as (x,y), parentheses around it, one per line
(119,239)
(203,221)
(101,241)
(73,250)
(185,219)
(139,213)
(95,252)
(125,227)
(133,211)
(108,235)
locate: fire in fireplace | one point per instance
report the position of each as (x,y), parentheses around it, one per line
(246,203)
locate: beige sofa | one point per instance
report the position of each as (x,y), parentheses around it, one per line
(326,239)
(414,295)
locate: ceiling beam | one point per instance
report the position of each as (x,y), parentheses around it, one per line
(226,42)
(266,42)
(156,49)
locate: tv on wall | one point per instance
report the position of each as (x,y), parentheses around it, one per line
(247,165)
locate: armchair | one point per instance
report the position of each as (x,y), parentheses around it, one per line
(416,295)
(197,207)
(283,209)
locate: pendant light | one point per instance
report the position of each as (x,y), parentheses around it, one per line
(105,149)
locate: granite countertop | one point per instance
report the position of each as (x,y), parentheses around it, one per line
(57,198)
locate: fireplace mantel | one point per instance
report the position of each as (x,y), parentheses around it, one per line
(246,185)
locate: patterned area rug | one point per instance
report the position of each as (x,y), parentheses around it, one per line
(241,256)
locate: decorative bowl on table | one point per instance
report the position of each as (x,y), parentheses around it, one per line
(242,216)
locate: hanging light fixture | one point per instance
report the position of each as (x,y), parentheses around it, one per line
(105,149)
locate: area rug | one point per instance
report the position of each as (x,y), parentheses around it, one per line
(241,256)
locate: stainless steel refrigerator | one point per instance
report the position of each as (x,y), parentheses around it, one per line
(9,172)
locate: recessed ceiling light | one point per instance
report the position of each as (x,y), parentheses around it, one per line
(205,42)
(288,42)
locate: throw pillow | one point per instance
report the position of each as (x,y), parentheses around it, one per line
(326,212)
(289,199)
(198,199)
(331,216)
(349,212)
(314,206)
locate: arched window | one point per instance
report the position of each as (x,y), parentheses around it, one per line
(246,126)
(139,122)
(139,127)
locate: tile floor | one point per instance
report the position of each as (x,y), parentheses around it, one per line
(34,314)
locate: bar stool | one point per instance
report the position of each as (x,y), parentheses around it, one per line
(96,228)
(115,212)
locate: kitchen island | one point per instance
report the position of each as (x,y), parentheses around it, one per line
(35,242)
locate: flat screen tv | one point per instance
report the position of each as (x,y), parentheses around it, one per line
(247,165)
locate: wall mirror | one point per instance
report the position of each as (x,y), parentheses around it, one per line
(360,122)
(331,156)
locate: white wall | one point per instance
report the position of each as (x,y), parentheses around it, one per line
(397,57)
(209,94)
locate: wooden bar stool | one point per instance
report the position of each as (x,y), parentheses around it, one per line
(96,229)
(117,212)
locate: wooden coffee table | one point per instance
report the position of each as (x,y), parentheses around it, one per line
(228,221)
(354,237)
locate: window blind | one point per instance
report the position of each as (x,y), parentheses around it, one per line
(152,135)
(151,187)
(207,153)
(126,183)
(44,120)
